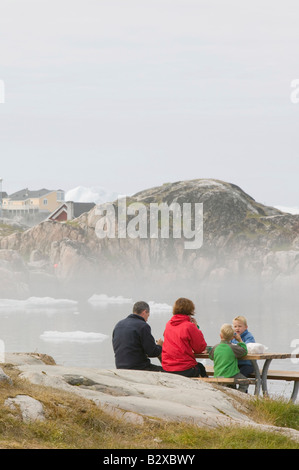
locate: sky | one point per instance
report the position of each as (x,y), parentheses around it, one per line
(131,94)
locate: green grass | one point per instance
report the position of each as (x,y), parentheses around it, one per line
(278,412)
(6,230)
(226,438)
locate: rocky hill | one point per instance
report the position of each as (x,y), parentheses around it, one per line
(243,241)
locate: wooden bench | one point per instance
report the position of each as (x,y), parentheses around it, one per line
(226,380)
(284,375)
(209,370)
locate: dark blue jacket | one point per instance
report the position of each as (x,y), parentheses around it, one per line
(133,343)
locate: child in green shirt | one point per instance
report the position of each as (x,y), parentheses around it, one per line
(226,354)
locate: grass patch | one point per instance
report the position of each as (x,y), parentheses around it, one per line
(277,412)
(6,230)
(227,438)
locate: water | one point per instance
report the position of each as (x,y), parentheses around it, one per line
(78,333)
(73,333)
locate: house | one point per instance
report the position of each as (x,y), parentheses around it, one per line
(24,202)
(3,194)
(31,207)
(70,210)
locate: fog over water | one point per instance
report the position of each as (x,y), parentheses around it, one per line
(78,332)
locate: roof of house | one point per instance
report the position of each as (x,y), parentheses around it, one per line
(81,207)
(78,208)
(26,194)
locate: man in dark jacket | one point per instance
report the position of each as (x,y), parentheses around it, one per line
(133,342)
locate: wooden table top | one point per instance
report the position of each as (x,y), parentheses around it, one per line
(261,356)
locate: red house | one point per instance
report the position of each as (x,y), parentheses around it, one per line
(70,210)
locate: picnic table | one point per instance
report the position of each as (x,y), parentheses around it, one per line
(264,374)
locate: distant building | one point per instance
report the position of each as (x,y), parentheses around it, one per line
(32,205)
(2,195)
(70,210)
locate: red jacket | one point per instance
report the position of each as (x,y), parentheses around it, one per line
(181,340)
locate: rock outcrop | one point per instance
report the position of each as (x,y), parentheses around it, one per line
(243,241)
(136,396)
(31,409)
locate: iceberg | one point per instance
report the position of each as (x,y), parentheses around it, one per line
(103,299)
(159,307)
(95,194)
(36,304)
(73,336)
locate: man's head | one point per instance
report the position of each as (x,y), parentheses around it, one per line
(142,308)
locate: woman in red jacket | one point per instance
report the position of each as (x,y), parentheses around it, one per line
(182,338)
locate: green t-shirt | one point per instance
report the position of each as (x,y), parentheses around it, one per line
(225,356)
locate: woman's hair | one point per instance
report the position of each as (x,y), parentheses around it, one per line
(183,307)
(227,332)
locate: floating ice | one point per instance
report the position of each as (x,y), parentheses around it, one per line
(37,304)
(74,336)
(104,299)
(159,307)
(95,194)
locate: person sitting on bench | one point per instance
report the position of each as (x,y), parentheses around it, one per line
(226,354)
(133,343)
(240,326)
